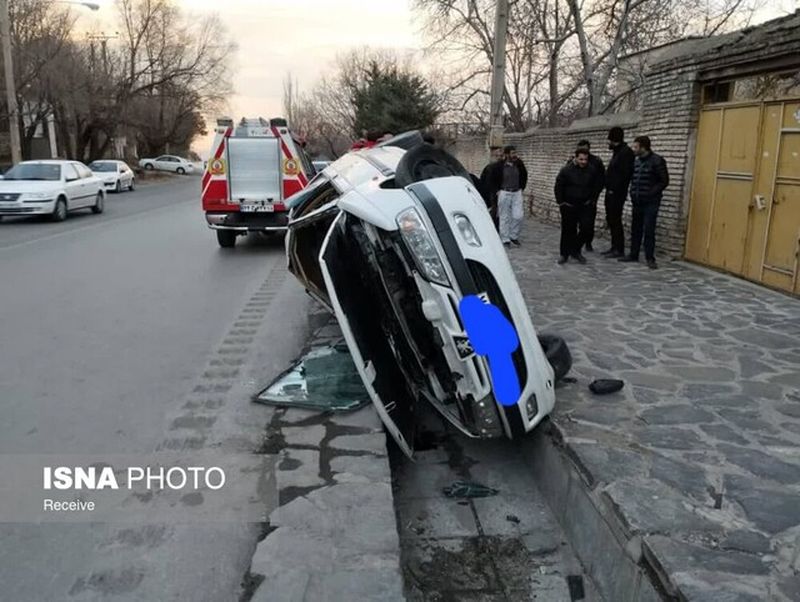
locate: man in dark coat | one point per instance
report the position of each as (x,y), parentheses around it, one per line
(650,178)
(488,184)
(574,191)
(618,179)
(588,217)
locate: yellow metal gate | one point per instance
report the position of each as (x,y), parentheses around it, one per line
(744,215)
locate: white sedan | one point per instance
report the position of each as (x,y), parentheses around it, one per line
(50,188)
(116,175)
(177,165)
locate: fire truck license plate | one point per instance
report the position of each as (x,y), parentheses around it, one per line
(256,208)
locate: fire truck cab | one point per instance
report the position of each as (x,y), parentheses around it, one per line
(252,168)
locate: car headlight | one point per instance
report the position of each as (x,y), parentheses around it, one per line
(466,230)
(419,241)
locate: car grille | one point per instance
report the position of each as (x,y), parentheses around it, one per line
(8,196)
(16,210)
(486,283)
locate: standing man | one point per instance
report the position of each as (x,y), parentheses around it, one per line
(588,217)
(650,178)
(574,189)
(488,187)
(511,178)
(618,179)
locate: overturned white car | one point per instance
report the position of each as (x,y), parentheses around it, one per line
(398,243)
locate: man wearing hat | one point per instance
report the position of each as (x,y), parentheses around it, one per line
(618,179)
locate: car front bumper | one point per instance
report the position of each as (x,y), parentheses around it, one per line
(28,207)
(484,271)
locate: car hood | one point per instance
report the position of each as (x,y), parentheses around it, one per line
(22,186)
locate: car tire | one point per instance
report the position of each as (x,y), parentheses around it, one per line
(180,171)
(424,162)
(118,187)
(132,185)
(557,353)
(226,238)
(99,204)
(60,210)
(149,166)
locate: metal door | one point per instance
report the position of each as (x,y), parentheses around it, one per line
(744,215)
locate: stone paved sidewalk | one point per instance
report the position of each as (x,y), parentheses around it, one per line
(699,454)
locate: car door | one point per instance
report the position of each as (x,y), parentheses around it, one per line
(342,264)
(163,162)
(73,185)
(90,185)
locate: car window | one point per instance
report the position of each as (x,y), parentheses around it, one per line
(162,158)
(102,166)
(71,173)
(83,171)
(34,171)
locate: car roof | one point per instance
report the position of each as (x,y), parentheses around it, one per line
(47,162)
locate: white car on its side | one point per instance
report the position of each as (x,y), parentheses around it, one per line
(177,165)
(51,188)
(116,175)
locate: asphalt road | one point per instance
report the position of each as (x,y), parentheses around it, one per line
(109,325)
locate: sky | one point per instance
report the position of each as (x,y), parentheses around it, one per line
(302,37)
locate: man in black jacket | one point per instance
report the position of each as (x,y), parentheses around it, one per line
(588,217)
(618,179)
(488,183)
(574,191)
(650,178)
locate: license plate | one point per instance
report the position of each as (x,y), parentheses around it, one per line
(256,208)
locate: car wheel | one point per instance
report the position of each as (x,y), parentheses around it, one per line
(132,185)
(149,166)
(60,210)
(99,203)
(118,187)
(557,353)
(424,162)
(226,238)
(180,171)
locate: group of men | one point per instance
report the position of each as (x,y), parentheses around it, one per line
(578,187)
(580,182)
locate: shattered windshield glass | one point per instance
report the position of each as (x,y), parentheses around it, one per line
(324,379)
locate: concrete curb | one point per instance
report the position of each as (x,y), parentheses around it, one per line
(334,535)
(610,556)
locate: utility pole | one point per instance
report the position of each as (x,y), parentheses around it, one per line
(11,91)
(496,125)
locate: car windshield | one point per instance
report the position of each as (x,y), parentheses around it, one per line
(103,166)
(34,171)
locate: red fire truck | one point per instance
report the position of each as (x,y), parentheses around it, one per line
(252,168)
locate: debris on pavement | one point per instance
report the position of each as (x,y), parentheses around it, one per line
(324,379)
(605,386)
(468,489)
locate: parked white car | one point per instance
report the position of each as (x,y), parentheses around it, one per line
(50,188)
(177,165)
(116,175)
(397,242)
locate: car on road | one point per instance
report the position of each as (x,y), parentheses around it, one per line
(51,187)
(172,163)
(116,175)
(397,242)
